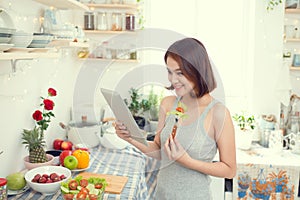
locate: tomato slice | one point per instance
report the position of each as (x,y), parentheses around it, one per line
(81,196)
(98,185)
(84,191)
(93,197)
(73,185)
(83,183)
(68,196)
(180,109)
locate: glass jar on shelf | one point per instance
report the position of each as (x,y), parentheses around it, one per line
(116,21)
(102,21)
(89,21)
(130,22)
(133,53)
(106,50)
(83,53)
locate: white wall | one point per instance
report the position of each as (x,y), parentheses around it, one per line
(20,92)
(243,40)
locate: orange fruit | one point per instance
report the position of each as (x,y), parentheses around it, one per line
(83,158)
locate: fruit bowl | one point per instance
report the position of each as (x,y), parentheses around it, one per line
(47,179)
(28,165)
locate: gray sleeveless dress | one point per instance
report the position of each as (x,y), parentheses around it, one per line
(175,181)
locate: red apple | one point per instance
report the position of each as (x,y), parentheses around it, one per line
(64,154)
(57,144)
(66,145)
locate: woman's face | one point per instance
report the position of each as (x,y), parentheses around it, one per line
(180,83)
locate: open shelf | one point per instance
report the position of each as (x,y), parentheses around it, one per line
(292,11)
(114,60)
(108,32)
(14,57)
(20,56)
(114,6)
(60,43)
(295,68)
(64,4)
(292,40)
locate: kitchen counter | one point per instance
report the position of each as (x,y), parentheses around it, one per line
(140,170)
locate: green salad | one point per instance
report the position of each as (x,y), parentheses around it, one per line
(83,188)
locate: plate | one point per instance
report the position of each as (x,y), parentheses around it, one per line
(5,47)
(16,192)
(79,170)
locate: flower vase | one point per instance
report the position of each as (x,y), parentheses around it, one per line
(29,165)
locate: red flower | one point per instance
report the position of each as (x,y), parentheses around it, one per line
(51,92)
(37,115)
(48,104)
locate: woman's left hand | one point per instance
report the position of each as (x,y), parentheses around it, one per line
(175,151)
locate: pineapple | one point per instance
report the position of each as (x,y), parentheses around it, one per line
(34,141)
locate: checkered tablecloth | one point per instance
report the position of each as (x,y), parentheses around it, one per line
(140,170)
(263,174)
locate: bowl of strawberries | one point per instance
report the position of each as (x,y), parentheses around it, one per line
(47,179)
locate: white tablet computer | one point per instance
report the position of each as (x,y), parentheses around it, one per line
(123,114)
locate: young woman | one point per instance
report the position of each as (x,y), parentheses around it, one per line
(186,158)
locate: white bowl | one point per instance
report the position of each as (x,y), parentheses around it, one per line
(21,39)
(47,188)
(4,40)
(40,40)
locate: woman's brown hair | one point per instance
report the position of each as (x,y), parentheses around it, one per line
(192,57)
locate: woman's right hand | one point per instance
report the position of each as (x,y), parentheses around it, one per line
(122,132)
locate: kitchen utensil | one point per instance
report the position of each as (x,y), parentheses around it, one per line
(115,183)
(83,133)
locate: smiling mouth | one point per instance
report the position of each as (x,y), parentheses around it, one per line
(177,86)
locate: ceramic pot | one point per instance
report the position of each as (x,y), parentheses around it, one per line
(29,165)
(84,133)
